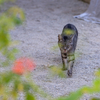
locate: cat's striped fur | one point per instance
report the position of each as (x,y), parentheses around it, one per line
(67,44)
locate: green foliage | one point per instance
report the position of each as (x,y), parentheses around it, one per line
(73,96)
(57,71)
(95,88)
(8,20)
(14,84)
(95,99)
(30,96)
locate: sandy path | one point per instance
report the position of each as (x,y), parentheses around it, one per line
(44,21)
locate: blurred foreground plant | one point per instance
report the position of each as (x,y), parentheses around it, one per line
(23,65)
(8,20)
(95,88)
(55,70)
(18,80)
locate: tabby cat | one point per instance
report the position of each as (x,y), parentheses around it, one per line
(67,42)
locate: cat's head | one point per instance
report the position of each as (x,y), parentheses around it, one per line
(63,43)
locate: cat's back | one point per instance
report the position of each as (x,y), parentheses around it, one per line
(69,29)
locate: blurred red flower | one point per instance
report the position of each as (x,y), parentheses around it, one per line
(23,65)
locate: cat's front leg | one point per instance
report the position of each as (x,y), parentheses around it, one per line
(64,63)
(70,64)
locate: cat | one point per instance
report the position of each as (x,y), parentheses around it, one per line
(67,42)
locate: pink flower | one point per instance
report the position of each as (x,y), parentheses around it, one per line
(23,65)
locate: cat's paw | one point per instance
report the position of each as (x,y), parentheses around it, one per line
(69,73)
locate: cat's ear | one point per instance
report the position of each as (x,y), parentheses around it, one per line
(59,37)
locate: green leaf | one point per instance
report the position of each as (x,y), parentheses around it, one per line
(29,96)
(73,96)
(95,99)
(57,71)
(17,21)
(27,86)
(6,77)
(86,89)
(97,73)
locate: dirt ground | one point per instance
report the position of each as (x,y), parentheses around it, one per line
(45,19)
